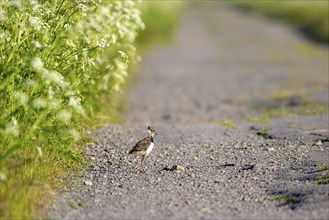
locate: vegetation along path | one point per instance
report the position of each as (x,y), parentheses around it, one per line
(240,106)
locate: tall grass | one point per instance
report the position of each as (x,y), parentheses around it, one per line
(58,58)
(311,17)
(160,18)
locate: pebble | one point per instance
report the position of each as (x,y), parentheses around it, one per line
(88,183)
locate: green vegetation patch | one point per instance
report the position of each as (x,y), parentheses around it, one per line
(323,179)
(228,124)
(292,200)
(284,199)
(284,103)
(161,19)
(264,133)
(264,118)
(322,167)
(60,64)
(309,16)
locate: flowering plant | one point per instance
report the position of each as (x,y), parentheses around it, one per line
(56,58)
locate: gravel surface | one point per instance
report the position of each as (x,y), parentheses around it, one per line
(224,65)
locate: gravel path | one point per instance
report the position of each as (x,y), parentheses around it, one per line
(224,65)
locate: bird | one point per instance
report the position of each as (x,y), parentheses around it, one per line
(144,147)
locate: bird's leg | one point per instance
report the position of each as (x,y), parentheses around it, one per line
(142,164)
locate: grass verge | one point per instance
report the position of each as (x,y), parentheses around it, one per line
(311,17)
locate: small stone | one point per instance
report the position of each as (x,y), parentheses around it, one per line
(270,149)
(179,168)
(72,204)
(88,183)
(319,143)
(207,211)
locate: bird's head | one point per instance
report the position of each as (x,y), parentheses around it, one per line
(151,131)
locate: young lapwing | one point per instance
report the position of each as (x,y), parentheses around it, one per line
(144,146)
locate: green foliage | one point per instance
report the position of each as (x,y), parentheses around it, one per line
(264,133)
(264,118)
(284,198)
(228,124)
(58,59)
(322,167)
(309,16)
(160,18)
(323,179)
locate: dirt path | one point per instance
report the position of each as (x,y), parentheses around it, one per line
(224,65)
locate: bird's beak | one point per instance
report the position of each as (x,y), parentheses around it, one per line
(155,133)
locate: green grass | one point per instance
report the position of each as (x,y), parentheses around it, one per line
(283,107)
(284,199)
(323,179)
(322,167)
(281,95)
(264,118)
(161,19)
(264,133)
(292,124)
(309,16)
(325,138)
(60,65)
(228,124)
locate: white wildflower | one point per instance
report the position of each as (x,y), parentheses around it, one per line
(68,27)
(91,62)
(76,105)
(113,38)
(118,6)
(54,76)
(121,66)
(59,79)
(70,43)
(21,31)
(75,134)
(3,177)
(37,44)
(102,43)
(39,103)
(37,64)
(21,96)
(69,92)
(51,92)
(104,11)
(64,116)
(2,14)
(34,4)
(39,152)
(74,102)
(12,128)
(31,83)
(54,103)
(116,87)
(36,23)
(17,4)
(83,8)
(123,54)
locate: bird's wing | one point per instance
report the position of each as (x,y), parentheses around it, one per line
(142,144)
